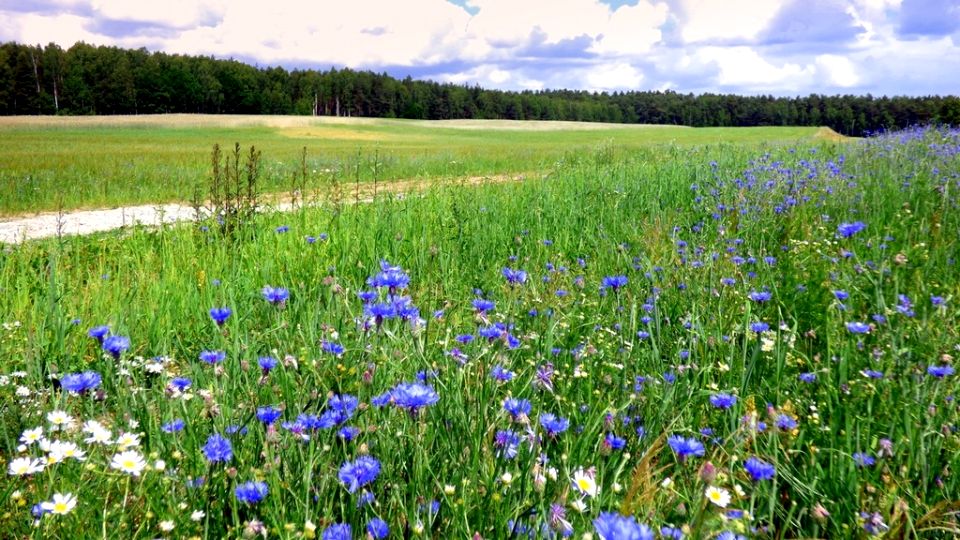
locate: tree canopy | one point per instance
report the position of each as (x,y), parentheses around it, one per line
(86,79)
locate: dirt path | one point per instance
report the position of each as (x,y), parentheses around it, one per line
(14,230)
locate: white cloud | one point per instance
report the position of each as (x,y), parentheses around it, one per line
(713,45)
(707,20)
(619,76)
(64,29)
(179,13)
(632,29)
(837,70)
(743,66)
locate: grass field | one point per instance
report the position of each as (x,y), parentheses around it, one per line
(93,162)
(728,341)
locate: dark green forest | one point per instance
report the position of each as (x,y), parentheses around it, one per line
(88,80)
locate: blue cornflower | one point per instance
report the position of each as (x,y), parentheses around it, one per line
(338,531)
(730,535)
(554,425)
(759,469)
(275,295)
(38,511)
(379,311)
(414,396)
(98,332)
(723,401)
(940,371)
(759,327)
(268,415)
(863,459)
(173,426)
(515,277)
(841,295)
(786,422)
(282,229)
(500,373)
(516,407)
(855,327)
(760,296)
(382,400)
(346,404)
(367,296)
(465,338)
(220,315)
(180,383)
(847,230)
(729,282)
(390,277)
(267,363)
(348,433)
(613,526)
(507,443)
(614,282)
(612,442)
(937,300)
(218,449)
(493,332)
(808,377)
(482,305)
(684,447)
(213,357)
(251,492)
(905,305)
(115,345)
(872,374)
(377,528)
(673,533)
(236,428)
(78,383)
(359,473)
(330,347)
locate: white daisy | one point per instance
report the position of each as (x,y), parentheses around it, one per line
(197,515)
(61,504)
(67,450)
(718,496)
(585,483)
(24,466)
(130,462)
(31,436)
(60,419)
(128,440)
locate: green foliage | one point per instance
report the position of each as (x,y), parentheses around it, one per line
(621,213)
(110,80)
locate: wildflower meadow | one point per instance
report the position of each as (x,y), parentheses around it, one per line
(724,341)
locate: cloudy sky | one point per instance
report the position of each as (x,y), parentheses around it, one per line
(781,47)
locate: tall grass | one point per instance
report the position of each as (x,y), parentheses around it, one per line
(695,233)
(103,162)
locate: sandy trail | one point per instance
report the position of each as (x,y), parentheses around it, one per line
(14,230)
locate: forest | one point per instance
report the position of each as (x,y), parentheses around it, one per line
(101,80)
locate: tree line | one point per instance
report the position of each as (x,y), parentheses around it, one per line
(86,80)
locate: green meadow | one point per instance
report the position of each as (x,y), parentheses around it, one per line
(55,163)
(660,333)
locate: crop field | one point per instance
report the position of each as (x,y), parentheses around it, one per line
(661,333)
(93,162)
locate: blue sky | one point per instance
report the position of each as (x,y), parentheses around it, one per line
(780,47)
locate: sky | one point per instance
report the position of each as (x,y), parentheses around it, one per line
(778,47)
